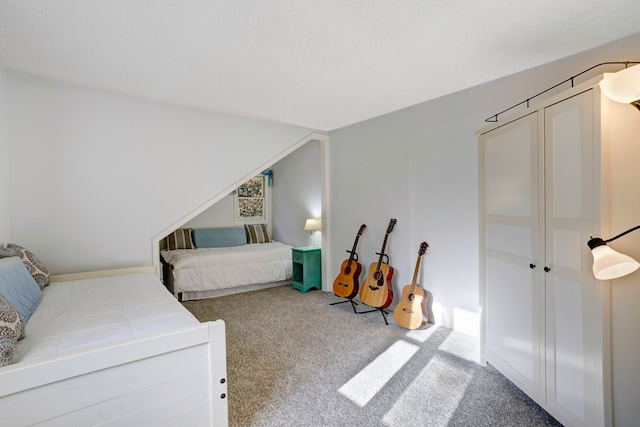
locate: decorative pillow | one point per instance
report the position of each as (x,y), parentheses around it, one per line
(35,267)
(222,237)
(256,233)
(18,287)
(7,350)
(11,330)
(180,239)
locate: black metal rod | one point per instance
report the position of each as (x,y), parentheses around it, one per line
(622,234)
(494,118)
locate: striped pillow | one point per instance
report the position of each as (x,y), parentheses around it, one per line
(180,239)
(256,233)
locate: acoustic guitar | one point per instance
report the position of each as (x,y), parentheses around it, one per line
(411,311)
(347,284)
(377,290)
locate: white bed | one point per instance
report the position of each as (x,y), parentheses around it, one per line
(214,271)
(116,350)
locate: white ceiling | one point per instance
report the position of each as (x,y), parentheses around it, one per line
(321,64)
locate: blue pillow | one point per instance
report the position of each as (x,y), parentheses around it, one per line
(219,237)
(18,287)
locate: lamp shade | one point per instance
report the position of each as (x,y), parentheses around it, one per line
(623,86)
(313,224)
(609,264)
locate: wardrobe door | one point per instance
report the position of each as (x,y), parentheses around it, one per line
(509,238)
(570,203)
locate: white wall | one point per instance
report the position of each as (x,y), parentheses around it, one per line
(218,215)
(5,211)
(297,195)
(625,292)
(98,175)
(419,165)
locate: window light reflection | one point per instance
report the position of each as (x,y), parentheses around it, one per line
(368,382)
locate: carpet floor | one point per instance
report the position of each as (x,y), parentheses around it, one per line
(295,360)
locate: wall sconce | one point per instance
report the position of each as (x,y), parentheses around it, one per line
(312,225)
(609,264)
(623,86)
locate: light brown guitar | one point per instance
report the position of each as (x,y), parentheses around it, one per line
(411,311)
(347,283)
(377,290)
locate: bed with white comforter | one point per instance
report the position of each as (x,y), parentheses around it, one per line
(205,272)
(111,348)
(99,311)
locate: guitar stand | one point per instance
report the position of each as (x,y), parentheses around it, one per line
(381,310)
(384,255)
(353,303)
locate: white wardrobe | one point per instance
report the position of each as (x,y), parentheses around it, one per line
(544,190)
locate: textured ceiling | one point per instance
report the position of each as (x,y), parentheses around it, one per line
(321,64)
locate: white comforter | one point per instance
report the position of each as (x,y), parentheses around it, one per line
(92,312)
(206,269)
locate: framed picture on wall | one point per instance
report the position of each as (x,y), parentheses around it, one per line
(250,201)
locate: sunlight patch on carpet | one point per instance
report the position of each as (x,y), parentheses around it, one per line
(446,384)
(462,346)
(369,381)
(421,335)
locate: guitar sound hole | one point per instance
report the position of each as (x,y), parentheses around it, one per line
(377,275)
(412,297)
(347,270)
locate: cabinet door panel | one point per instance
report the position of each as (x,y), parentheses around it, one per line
(511,331)
(568,351)
(508,168)
(564,125)
(568,146)
(511,251)
(511,239)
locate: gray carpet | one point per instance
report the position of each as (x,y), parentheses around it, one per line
(295,360)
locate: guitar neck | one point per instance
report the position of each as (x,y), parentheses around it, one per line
(353,251)
(384,245)
(415,276)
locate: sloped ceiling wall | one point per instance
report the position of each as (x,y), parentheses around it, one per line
(97,174)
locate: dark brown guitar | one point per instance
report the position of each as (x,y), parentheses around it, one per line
(377,290)
(411,311)
(347,284)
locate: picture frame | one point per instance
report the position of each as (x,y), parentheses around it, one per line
(251,201)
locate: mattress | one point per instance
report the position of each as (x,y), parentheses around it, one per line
(206,269)
(93,312)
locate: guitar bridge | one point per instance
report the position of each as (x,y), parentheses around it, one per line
(373,288)
(407,310)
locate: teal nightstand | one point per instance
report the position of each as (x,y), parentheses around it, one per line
(306,268)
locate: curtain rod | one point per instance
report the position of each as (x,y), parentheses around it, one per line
(494,118)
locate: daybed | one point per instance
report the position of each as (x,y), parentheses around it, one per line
(209,262)
(109,348)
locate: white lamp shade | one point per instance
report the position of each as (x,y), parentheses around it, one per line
(312,225)
(623,86)
(609,264)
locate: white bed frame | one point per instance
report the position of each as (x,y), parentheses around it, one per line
(168,379)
